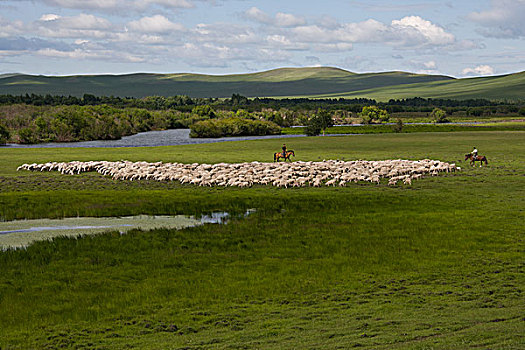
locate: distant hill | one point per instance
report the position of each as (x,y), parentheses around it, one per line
(283,82)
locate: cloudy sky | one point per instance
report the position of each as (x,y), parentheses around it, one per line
(456,38)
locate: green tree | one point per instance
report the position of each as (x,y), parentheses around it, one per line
(319,123)
(439,116)
(373,115)
(313,127)
(4,134)
(324,119)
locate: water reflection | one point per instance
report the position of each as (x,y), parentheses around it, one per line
(221,217)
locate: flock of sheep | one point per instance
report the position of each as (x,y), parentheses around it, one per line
(296,174)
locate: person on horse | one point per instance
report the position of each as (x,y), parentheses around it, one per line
(474,153)
(284,150)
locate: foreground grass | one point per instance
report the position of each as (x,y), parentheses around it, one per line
(435,265)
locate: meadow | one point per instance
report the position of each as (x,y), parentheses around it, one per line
(411,128)
(434,265)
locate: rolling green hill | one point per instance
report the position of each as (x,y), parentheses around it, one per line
(283,82)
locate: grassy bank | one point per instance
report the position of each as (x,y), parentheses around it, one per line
(435,265)
(389,129)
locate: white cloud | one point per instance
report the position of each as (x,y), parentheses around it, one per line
(479,70)
(410,31)
(224,33)
(505,19)
(257,15)
(280,20)
(288,20)
(81,21)
(80,26)
(428,67)
(283,42)
(367,31)
(167,3)
(49,17)
(80,54)
(154,24)
(415,30)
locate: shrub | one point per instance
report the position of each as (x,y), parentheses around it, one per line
(398,126)
(233,127)
(203,111)
(4,134)
(439,116)
(27,135)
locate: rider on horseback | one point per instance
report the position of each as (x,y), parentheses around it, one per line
(284,150)
(474,152)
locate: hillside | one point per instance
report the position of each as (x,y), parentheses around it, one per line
(283,82)
(511,87)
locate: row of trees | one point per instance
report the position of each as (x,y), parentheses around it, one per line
(474,107)
(83,123)
(150,102)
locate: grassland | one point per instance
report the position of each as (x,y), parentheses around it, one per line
(505,87)
(284,82)
(411,128)
(438,265)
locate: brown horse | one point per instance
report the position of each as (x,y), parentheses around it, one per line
(473,159)
(278,155)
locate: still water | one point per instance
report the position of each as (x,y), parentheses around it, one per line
(21,233)
(147,139)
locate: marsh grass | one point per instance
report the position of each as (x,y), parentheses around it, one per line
(435,265)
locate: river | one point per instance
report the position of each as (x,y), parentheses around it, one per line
(171,137)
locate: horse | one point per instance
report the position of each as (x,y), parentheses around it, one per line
(278,155)
(476,159)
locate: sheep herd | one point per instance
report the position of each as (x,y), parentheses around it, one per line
(296,174)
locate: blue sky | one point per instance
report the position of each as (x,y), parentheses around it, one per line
(456,38)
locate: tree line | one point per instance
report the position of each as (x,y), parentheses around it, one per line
(186,103)
(36,118)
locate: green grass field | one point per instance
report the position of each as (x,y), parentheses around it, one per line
(437,265)
(408,128)
(316,82)
(507,87)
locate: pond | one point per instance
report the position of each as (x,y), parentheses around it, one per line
(21,233)
(171,137)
